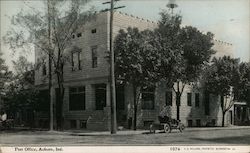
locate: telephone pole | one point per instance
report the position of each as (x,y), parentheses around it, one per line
(50,67)
(112,68)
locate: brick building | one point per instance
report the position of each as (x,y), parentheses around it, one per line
(87,90)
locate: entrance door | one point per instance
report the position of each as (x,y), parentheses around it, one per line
(120,106)
(100,96)
(230,117)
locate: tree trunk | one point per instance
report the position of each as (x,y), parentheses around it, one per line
(50,70)
(222,108)
(60,119)
(60,111)
(178,101)
(135,107)
(223,118)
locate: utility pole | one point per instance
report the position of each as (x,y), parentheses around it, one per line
(112,68)
(171,4)
(112,72)
(50,67)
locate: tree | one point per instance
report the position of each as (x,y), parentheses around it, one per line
(21,94)
(5,75)
(221,78)
(24,70)
(242,86)
(136,61)
(50,32)
(188,51)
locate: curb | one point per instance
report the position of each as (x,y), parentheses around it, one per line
(147,131)
(218,128)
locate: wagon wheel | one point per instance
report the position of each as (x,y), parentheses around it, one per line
(167,128)
(181,127)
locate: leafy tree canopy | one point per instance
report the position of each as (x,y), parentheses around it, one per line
(5,75)
(191,49)
(136,57)
(242,83)
(222,75)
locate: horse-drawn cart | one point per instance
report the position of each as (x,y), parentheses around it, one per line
(166,124)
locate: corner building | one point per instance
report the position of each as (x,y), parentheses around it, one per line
(87,90)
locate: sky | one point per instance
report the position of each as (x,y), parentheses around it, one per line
(229,20)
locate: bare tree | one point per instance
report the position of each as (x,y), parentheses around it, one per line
(50,32)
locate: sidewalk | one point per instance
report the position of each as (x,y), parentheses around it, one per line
(232,127)
(138,132)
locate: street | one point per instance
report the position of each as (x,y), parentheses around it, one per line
(189,136)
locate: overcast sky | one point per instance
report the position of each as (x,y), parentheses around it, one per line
(229,20)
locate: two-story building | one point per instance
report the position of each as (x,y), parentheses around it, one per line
(87,90)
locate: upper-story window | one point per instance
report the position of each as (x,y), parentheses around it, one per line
(197,99)
(76,62)
(189,99)
(93,31)
(94,56)
(44,69)
(169,98)
(207,103)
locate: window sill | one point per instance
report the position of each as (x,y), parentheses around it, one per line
(76,70)
(77,110)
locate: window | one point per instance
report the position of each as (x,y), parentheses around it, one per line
(207,101)
(79,35)
(94,56)
(169,98)
(213,122)
(100,96)
(148,99)
(77,98)
(238,112)
(198,122)
(76,61)
(197,100)
(44,69)
(83,124)
(190,123)
(43,103)
(120,99)
(189,99)
(73,124)
(93,31)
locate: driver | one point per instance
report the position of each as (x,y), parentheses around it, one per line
(165,111)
